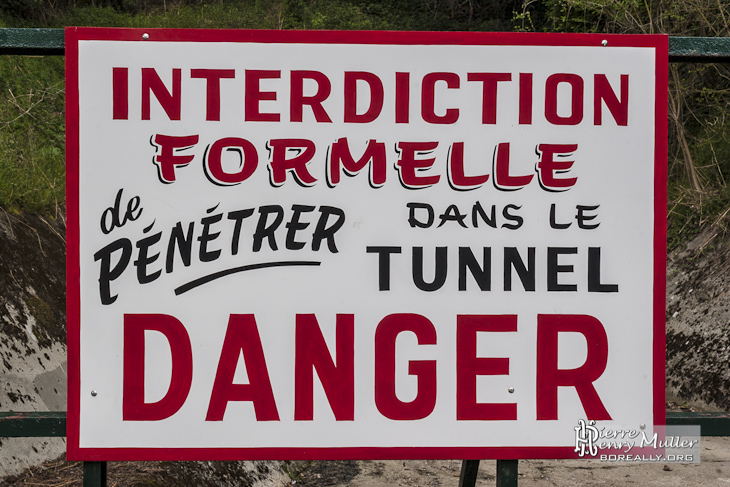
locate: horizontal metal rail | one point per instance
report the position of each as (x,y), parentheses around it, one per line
(711,424)
(699,49)
(38,424)
(48,424)
(38,42)
(35,424)
(51,42)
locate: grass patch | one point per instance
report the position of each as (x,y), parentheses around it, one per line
(32,169)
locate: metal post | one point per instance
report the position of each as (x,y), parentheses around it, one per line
(469,470)
(94,474)
(507,473)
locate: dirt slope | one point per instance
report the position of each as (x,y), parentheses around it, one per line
(32,330)
(698,324)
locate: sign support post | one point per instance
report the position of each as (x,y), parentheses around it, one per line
(95,474)
(507,473)
(469,472)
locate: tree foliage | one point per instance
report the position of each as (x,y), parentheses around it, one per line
(699,94)
(484,15)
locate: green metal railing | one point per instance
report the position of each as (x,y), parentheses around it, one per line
(48,424)
(33,42)
(42,42)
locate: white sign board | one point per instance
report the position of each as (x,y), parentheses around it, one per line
(330,245)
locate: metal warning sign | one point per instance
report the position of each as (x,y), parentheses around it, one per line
(329,245)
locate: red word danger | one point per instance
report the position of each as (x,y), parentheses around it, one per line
(336,372)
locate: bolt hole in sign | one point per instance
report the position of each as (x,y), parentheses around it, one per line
(336,245)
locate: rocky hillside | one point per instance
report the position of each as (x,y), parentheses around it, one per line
(33,355)
(32,330)
(698,323)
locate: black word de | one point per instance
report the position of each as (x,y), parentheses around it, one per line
(112,217)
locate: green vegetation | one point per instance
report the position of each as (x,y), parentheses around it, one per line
(699,97)
(31,133)
(32,95)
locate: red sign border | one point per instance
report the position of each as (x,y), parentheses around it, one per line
(73,276)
